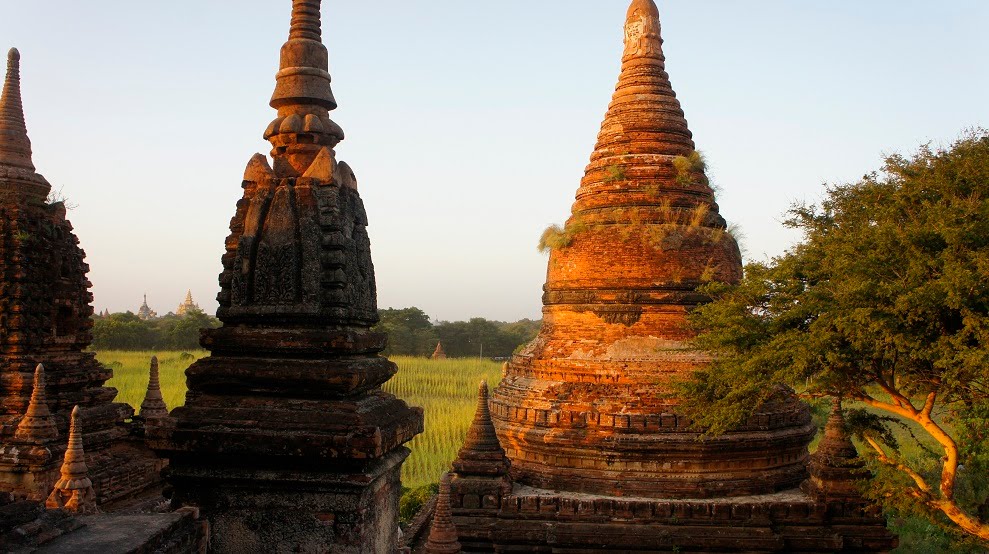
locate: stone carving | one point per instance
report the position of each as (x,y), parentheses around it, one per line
(74,490)
(290,398)
(45,318)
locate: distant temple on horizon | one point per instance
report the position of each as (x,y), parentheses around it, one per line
(145,312)
(187,305)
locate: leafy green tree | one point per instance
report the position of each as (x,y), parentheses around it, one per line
(410,332)
(885,301)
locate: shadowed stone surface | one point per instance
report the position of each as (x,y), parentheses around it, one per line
(45,318)
(286,441)
(443,534)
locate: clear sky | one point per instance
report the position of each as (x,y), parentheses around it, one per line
(468,124)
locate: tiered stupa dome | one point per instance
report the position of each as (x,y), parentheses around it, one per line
(586,406)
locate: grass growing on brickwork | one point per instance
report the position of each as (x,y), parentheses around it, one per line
(447,389)
(555,237)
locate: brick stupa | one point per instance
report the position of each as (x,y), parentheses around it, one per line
(286,441)
(600,458)
(584,407)
(45,318)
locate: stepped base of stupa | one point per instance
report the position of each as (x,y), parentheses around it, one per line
(539,520)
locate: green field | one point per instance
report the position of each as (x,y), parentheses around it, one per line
(446,389)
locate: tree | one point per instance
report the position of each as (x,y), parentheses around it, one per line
(410,333)
(885,301)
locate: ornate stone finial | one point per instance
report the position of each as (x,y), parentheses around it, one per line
(303,96)
(439,354)
(37,426)
(154,407)
(443,534)
(481,453)
(74,490)
(305,20)
(15,146)
(642,31)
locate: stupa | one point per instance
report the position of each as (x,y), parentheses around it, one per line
(187,304)
(438,353)
(286,441)
(145,312)
(600,458)
(45,318)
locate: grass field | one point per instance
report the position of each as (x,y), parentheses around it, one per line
(446,389)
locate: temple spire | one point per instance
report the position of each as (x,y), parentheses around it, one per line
(305,20)
(481,453)
(443,534)
(15,146)
(37,426)
(74,490)
(645,117)
(303,96)
(154,406)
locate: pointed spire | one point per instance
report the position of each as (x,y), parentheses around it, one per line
(303,95)
(38,425)
(443,534)
(481,453)
(15,146)
(645,116)
(439,354)
(305,20)
(188,296)
(154,407)
(74,490)
(303,79)
(835,468)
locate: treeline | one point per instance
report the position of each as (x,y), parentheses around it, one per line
(411,333)
(126,331)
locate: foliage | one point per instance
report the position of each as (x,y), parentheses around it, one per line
(689,168)
(885,301)
(411,333)
(126,331)
(615,173)
(555,238)
(413,500)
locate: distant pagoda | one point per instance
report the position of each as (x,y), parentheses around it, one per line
(599,456)
(286,442)
(46,318)
(145,312)
(187,305)
(439,354)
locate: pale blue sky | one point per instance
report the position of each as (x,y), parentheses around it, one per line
(469,124)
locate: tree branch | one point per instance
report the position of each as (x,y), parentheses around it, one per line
(917,478)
